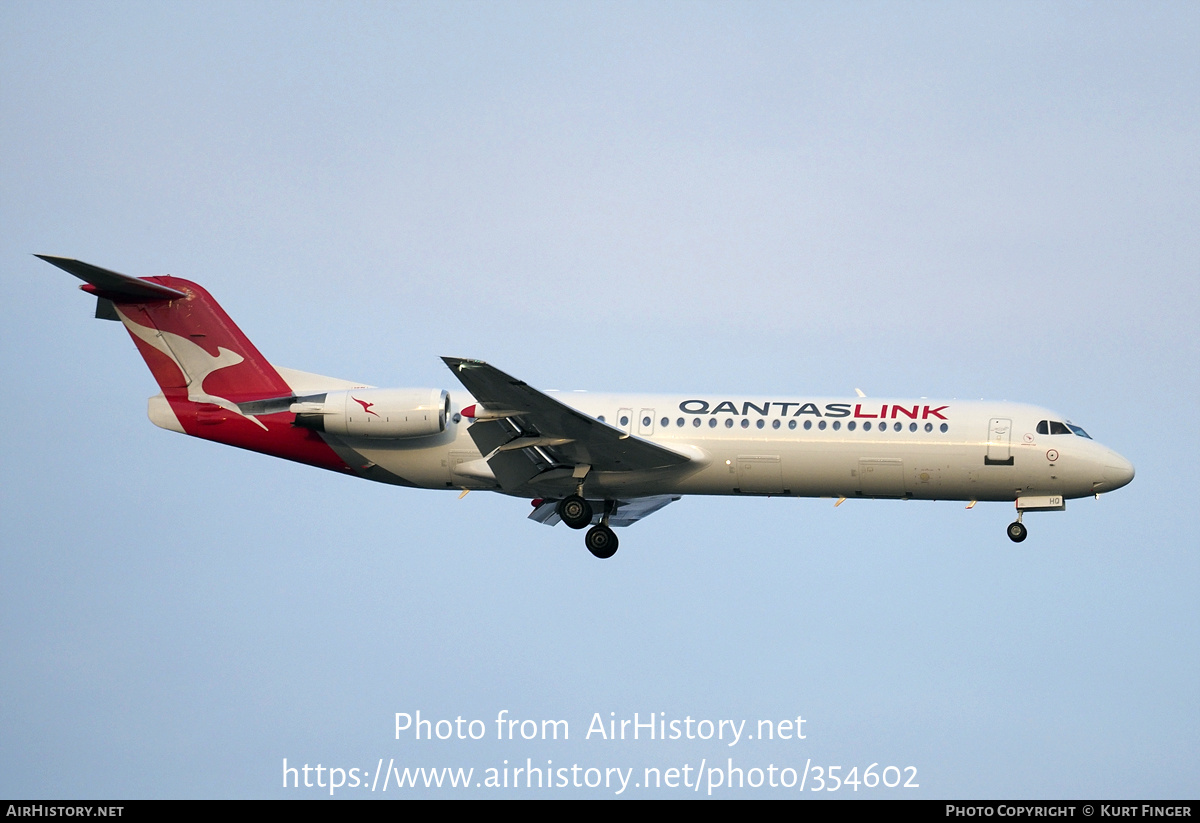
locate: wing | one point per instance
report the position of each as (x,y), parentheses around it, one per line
(533,438)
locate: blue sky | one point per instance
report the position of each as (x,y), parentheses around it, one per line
(950,200)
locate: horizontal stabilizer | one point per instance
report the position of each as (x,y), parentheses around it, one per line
(111,285)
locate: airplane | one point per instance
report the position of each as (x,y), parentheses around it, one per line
(592,461)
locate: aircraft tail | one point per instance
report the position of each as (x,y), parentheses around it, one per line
(215,383)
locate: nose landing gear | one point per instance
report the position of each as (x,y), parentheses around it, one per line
(1027,503)
(1017,531)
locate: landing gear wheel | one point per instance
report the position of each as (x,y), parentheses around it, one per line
(575,511)
(601,541)
(1017,532)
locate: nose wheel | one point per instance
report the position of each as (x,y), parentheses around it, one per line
(1017,531)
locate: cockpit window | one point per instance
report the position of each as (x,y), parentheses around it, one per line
(1078,431)
(1044,427)
(1054,427)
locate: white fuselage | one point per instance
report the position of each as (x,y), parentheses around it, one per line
(808,447)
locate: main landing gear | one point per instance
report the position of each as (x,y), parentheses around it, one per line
(601,541)
(577,513)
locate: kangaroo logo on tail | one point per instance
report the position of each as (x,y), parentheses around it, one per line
(199,357)
(193,361)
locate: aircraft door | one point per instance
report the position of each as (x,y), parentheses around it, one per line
(625,420)
(999,447)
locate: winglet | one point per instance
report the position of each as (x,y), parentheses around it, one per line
(110,284)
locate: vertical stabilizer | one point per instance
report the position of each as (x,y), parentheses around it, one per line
(206,367)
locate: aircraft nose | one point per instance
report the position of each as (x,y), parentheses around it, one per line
(1117,472)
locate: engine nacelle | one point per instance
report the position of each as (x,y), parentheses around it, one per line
(376,413)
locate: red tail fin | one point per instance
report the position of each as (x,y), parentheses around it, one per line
(207,368)
(190,343)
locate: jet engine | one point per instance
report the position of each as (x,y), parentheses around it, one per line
(389,414)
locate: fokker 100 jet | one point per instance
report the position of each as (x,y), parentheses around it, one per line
(590,460)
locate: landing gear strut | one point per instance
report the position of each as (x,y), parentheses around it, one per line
(601,541)
(575,512)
